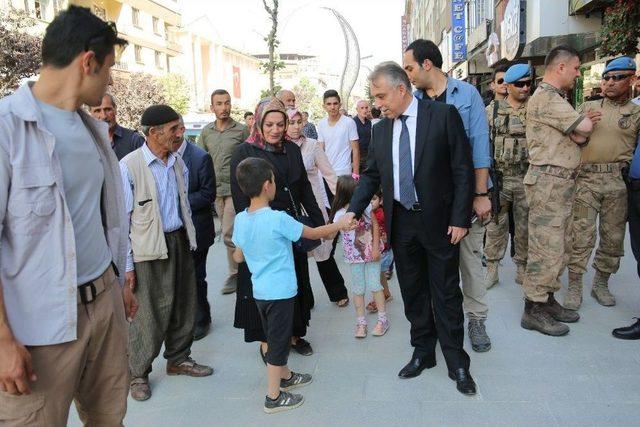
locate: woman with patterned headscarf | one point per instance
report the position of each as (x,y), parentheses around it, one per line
(268,141)
(319,168)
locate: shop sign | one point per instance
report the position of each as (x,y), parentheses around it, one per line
(512,29)
(458,30)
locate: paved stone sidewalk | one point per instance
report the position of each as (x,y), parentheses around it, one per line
(584,379)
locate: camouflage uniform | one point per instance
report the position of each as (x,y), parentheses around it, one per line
(511,159)
(601,192)
(549,187)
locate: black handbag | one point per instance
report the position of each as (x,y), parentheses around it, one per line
(302,245)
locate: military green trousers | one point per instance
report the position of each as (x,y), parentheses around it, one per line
(550,200)
(511,197)
(600,196)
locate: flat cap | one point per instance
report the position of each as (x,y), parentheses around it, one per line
(158,115)
(622,63)
(517,72)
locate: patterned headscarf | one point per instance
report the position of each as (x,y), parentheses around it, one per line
(291,113)
(266,105)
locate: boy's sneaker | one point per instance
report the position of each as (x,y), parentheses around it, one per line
(296,380)
(361,330)
(284,402)
(381,328)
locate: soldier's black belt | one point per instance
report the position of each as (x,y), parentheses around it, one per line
(558,171)
(603,167)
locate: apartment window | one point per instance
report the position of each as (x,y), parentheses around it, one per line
(138,53)
(156,25)
(167,29)
(100,12)
(168,65)
(135,17)
(158,59)
(39,9)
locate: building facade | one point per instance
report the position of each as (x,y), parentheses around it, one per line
(150,27)
(505,31)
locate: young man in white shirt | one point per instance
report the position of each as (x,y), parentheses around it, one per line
(338,136)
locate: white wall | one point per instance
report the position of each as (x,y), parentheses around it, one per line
(551,18)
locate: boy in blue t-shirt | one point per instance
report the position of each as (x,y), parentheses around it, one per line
(263,237)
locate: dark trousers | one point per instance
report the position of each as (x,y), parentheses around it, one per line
(332,279)
(430,287)
(634,219)
(203,312)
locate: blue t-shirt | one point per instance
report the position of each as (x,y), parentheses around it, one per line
(265,237)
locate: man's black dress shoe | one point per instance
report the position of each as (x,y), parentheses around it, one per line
(629,332)
(201,331)
(464,382)
(416,365)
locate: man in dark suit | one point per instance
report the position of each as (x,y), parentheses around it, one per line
(421,157)
(202,195)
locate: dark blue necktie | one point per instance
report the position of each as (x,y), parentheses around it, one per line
(407,190)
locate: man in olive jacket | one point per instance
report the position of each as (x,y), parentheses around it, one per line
(219,138)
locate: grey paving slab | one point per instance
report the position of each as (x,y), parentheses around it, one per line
(586,378)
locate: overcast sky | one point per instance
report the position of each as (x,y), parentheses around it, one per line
(306,28)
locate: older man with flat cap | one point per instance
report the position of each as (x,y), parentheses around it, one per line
(160,268)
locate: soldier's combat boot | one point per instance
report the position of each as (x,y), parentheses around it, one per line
(600,289)
(537,318)
(480,341)
(521,269)
(573,298)
(491,277)
(560,313)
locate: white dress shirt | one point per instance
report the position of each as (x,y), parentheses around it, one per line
(412,112)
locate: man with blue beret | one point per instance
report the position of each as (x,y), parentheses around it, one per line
(507,121)
(601,191)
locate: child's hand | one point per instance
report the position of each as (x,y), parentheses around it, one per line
(345,222)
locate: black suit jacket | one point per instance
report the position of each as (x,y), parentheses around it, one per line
(443,171)
(125,141)
(202,193)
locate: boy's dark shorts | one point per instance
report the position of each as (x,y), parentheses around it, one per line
(277,322)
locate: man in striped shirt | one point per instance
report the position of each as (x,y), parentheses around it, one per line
(160,239)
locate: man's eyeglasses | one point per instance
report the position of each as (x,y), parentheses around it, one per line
(522,84)
(616,77)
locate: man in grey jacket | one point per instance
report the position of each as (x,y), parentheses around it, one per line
(63,324)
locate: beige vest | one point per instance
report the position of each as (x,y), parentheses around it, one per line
(146,233)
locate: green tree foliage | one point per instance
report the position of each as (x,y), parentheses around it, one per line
(134,93)
(176,92)
(273,64)
(620,28)
(19,50)
(307,98)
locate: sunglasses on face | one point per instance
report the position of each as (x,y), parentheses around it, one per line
(616,77)
(522,84)
(500,81)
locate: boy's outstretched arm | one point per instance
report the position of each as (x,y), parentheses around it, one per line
(327,231)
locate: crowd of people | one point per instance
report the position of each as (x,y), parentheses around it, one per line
(105,232)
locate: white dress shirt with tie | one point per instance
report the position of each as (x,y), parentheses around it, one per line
(412,113)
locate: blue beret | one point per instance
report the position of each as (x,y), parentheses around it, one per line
(517,72)
(623,63)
